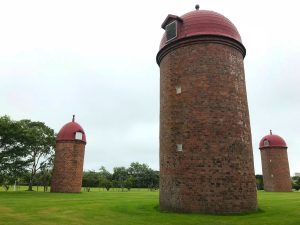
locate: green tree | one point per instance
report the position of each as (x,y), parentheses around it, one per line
(144,176)
(13,150)
(259,182)
(24,145)
(128,183)
(107,184)
(39,142)
(296,183)
(153,181)
(119,176)
(105,178)
(90,179)
(43,178)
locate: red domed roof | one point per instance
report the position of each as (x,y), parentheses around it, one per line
(272,140)
(202,22)
(68,132)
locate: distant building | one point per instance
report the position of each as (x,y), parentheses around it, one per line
(69,156)
(275,164)
(297,174)
(206,158)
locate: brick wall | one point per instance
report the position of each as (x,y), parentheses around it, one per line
(214,173)
(68,166)
(276,172)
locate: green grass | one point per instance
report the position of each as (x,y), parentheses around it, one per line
(134,207)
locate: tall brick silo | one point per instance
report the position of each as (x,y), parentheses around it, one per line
(69,156)
(206,158)
(275,163)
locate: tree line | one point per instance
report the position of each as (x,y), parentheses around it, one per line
(137,175)
(260,182)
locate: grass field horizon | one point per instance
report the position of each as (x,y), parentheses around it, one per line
(132,208)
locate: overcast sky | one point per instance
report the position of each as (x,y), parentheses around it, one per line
(96,59)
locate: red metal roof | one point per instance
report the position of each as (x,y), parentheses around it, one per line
(67,132)
(202,22)
(273,141)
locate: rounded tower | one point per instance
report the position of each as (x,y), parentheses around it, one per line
(69,156)
(275,163)
(206,158)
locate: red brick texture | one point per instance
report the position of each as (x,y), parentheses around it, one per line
(214,172)
(68,166)
(276,172)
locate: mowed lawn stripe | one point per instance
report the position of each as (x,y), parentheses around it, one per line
(137,207)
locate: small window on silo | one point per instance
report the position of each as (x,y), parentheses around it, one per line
(178,89)
(78,136)
(171,30)
(266,143)
(179,147)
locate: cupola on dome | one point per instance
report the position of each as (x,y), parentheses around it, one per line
(71,131)
(198,22)
(271,141)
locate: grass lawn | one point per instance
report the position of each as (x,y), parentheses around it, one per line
(134,207)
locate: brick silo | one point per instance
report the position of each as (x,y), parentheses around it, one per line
(206,158)
(275,163)
(69,156)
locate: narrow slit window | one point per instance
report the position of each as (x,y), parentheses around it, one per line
(178,89)
(179,147)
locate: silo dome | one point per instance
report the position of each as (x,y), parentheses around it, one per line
(271,141)
(70,132)
(201,22)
